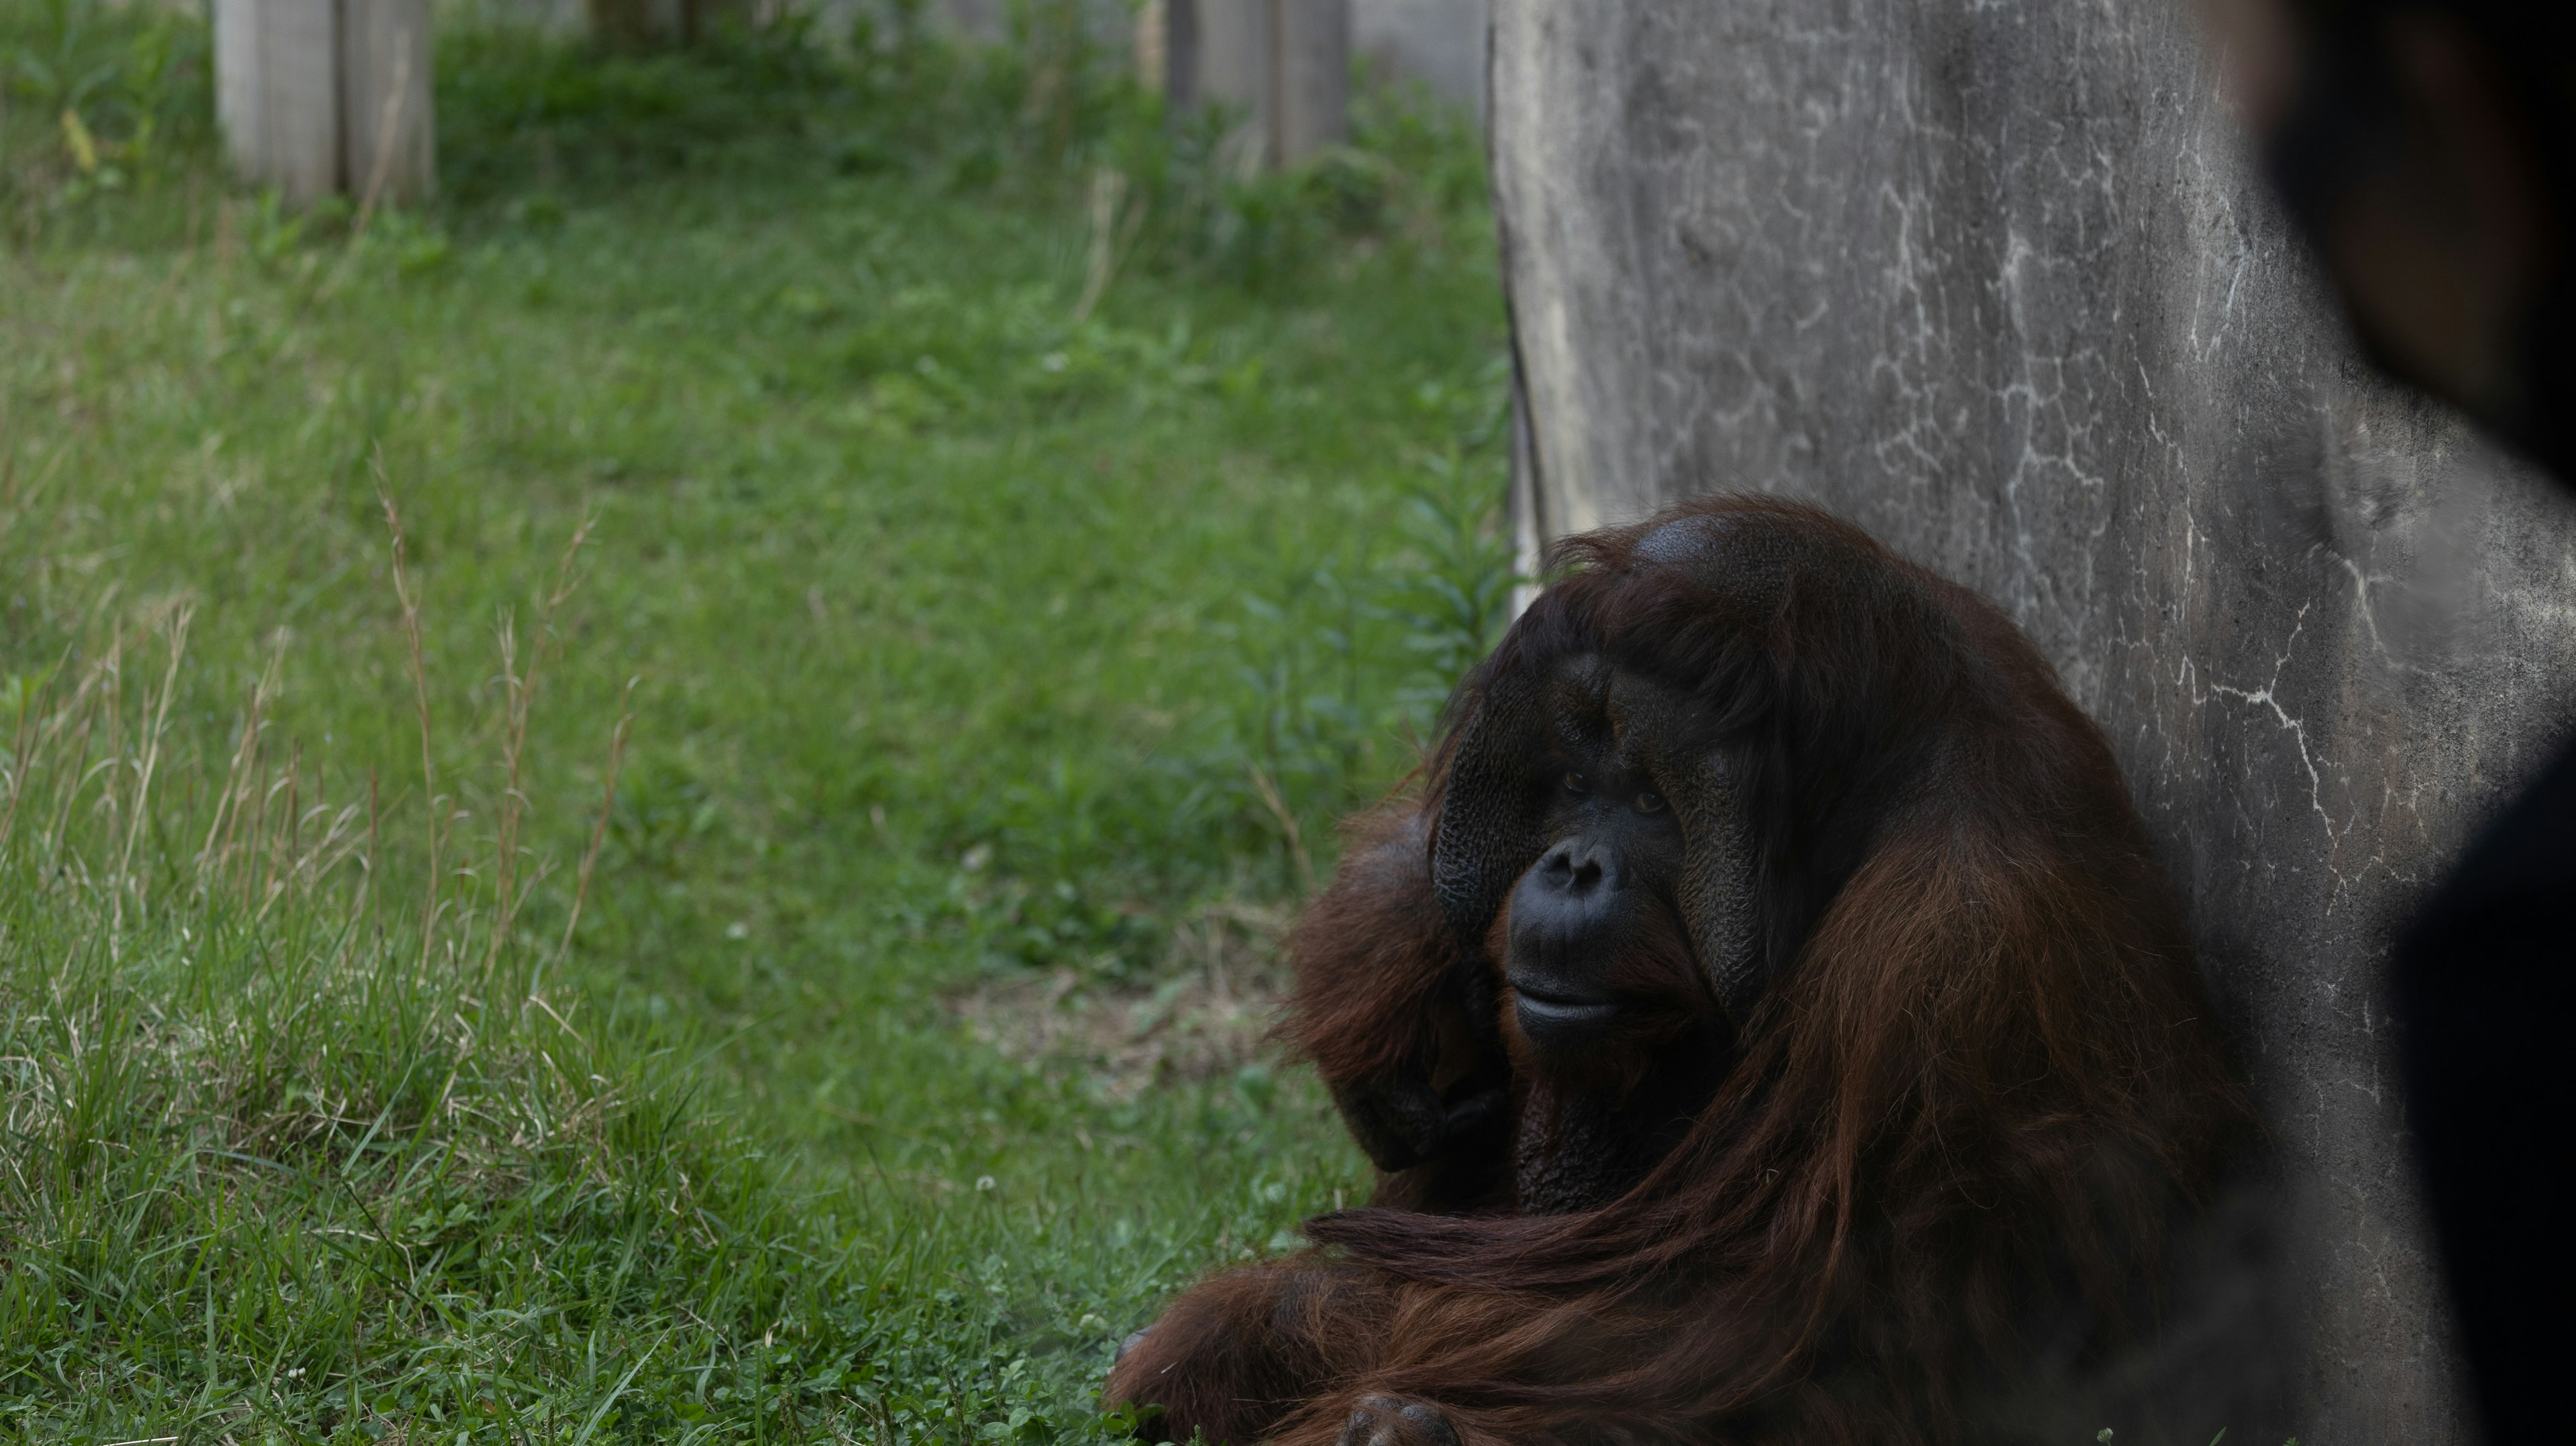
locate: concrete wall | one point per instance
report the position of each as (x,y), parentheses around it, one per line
(1283,66)
(316,96)
(1439,43)
(277,93)
(1994,278)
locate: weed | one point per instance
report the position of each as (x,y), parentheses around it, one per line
(97,99)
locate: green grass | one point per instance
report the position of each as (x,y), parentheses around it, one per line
(990,673)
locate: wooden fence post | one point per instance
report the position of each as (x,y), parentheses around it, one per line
(323,96)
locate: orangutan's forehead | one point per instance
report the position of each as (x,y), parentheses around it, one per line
(1655,720)
(1574,702)
(1596,708)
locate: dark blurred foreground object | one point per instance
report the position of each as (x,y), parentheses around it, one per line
(2429,152)
(2428,148)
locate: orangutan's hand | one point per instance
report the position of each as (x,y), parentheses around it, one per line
(1388,1421)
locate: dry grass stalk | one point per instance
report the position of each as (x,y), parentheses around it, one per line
(1114,227)
(176,628)
(255,856)
(112,709)
(382,169)
(375,815)
(241,848)
(410,601)
(96,693)
(520,700)
(294,798)
(599,828)
(68,792)
(28,734)
(1287,821)
(505,835)
(216,851)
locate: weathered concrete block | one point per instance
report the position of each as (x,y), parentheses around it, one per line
(1310,48)
(1440,43)
(1995,279)
(388,120)
(277,93)
(1284,65)
(316,96)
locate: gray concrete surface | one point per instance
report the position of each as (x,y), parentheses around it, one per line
(317,96)
(1438,43)
(388,116)
(1995,279)
(277,93)
(1283,66)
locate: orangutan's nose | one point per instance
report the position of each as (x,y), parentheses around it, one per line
(1578,868)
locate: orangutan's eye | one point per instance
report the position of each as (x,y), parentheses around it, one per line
(1649,801)
(1577,783)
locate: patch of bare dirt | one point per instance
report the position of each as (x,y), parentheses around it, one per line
(1208,1015)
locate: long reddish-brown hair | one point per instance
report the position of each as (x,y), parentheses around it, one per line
(1979,1084)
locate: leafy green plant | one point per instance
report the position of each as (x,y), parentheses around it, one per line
(1454,605)
(1454,608)
(519,108)
(99,98)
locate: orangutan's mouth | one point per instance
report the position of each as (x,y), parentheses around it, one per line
(1552,1008)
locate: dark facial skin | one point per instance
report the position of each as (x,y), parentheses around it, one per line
(1590,930)
(1606,1009)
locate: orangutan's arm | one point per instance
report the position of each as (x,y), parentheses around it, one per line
(1400,1023)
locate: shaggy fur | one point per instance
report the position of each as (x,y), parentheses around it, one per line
(1978,1084)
